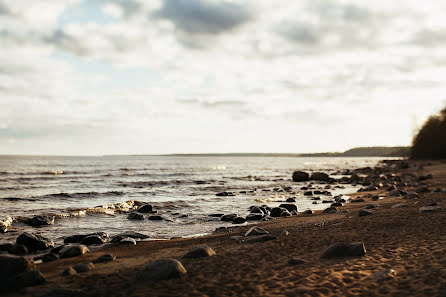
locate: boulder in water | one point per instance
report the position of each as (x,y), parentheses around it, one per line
(320,176)
(34,242)
(228,217)
(37,221)
(288,206)
(300,176)
(135,216)
(146,208)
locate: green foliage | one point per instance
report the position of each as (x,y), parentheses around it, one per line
(430,142)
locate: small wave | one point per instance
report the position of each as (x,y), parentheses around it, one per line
(82,194)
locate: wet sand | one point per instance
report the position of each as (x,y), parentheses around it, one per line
(411,243)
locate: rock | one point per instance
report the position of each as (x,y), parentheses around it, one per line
(34,242)
(161,270)
(284,233)
(364,212)
(146,208)
(225,194)
(216,215)
(320,176)
(50,257)
(128,240)
(395,193)
(411,195)
(261,238)
(308,193)
(80,237)
(93,240)
(357,200)
(308,212)
(277,212)
(155,218)
(400,205)
(294,261)
(6,247)
(136,235)
(254,217)
(238,220)
(135,216)
(285,213)
(13,265)
(383,275)
(330,210)
(64,292)
(23,280)
(73,251)
(199,252)
(422,190)
(228,217)
(40,221)
(18,249)
(291,200)
(289,207)
(253,231)
(341,249)
(256,209)
(69,271)
(104,258)
(426,209)
(83,267)
(369,206)
(300,176)
(336,204)
(57,250)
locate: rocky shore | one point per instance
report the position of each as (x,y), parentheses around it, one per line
(387,239)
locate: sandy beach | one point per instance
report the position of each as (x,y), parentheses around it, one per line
(405,255)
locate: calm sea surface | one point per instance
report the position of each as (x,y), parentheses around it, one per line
(79,190)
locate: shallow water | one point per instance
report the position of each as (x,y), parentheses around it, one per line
(184,185)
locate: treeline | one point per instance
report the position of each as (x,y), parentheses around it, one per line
(430,141)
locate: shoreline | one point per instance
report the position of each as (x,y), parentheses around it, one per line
(262,268)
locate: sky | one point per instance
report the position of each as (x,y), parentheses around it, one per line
(104,77)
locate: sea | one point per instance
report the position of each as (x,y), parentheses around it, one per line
(91,194)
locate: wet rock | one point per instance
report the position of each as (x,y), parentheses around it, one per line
(295,261)
(320,176)
(308,193)
(200,252)
(50,257)
(277,212)
(238,220)
(40,221)
(383,275)
(161,270)
(80,237)
(291,200)
(69,271)
(427,209)
(155,218)
(308,212)
(342,249)
(73,251)
(253,231)
(135,216)
(370,206)
(57,250)
(364,212)
(254,217)
(13,265)
(18,249)
(289,207)
(330,210)
(34,242)
(216,215)
(256,209)
(261,238)
(225,194)
(411,195)
(93,240)
(105,258)
(422,190)
(130,234)
(83,267)
(300,176)
(228,217)
(23,280)
(357,200)
(128,240)
(336,204)
(146,208)
(395,193)
(285,213)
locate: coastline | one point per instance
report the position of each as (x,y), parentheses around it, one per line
(401,238)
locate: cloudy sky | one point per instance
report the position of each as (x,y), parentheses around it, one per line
(175,76)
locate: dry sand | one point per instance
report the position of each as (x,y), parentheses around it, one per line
(402,239)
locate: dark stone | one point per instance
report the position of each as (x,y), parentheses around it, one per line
(364,212)
(34,242)
(308,212)
(369,206)
(300,176)
(422,190)
(238,220)
(104,258)
(83,267)
(228,217)
(294,261)
(69,271)
(200,252)
(256,209)
(155,218)
(253,231)
(336,204)
(308,193)
(135,216)
(19,250)
(291,200)
(161,270)
(130,234)
(93,239)
(289,207)
(40,221)
(80,237)
(327,201)
(357,200)
(23,280)
(50,257)
(254,217)
(225,194)
(285,213)
(216,215)
(261,238)
(73,251)
(320,176)
(128,240)
(146,208)
(342,249)
(277,212)
(13,265)
(330,210)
